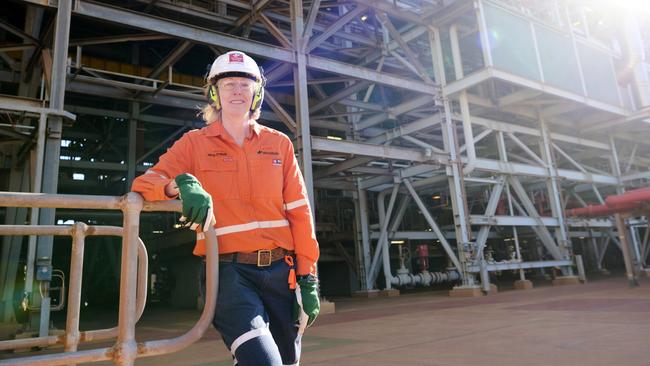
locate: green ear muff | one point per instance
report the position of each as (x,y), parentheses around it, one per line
(258,97)
(213,93)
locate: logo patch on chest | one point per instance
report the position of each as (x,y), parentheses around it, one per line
(277,162)
(267,152)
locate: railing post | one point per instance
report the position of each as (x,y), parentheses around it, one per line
(126,348)
(74,290)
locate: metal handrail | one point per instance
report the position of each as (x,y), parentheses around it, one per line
(126,349)
(78,230)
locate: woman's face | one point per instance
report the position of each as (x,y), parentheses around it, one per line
(236,94)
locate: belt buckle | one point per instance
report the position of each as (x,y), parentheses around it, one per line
(259,263)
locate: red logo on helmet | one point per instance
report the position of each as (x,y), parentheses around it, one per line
(235,57)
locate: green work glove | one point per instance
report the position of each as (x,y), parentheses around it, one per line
(306,305)
(197,203)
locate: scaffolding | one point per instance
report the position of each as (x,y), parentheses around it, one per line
(481,121)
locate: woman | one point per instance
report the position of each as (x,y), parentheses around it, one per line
(261,216)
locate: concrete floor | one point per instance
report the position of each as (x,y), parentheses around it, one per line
(603,322)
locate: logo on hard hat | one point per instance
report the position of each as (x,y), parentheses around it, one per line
(235,57)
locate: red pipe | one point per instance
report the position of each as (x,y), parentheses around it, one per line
(635,196)
(602,210)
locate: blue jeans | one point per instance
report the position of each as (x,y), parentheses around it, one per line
(254,314)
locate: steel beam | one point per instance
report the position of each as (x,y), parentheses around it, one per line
(397,37)
(27,38)
(502,167)
(171,58)
(490,209)
(393,112)
(526,149)
(349,90)
(507,266)
(391,8)
(279,110)
(249,16)
(544,234)
(342,166)
(405,129)
(502,220)
(314,8)
(423,235)
(277,33)
(434,227)
(201,35)
(334,27)
(377,151)
(517,97)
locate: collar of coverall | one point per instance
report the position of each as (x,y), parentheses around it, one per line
(216,129)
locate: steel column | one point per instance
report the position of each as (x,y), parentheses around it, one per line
(53,143)
(363,254)
(302,99)
(399,215)
(382,245)
(555,194)
(133,141)
(36,188)
(484,34)
(457,193)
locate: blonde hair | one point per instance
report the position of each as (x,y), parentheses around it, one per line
(210,114)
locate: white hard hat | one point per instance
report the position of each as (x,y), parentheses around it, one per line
(233,63)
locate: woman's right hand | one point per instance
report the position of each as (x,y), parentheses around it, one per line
(197,203)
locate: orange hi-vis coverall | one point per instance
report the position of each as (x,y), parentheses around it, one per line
(259,196)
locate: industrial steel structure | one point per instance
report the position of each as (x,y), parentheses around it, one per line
(461,128)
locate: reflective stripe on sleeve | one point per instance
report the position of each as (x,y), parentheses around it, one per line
(149,171)
(246,227)
(295,204)
(259,332)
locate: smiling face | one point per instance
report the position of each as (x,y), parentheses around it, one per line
(236,94)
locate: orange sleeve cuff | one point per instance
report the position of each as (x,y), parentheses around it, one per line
(305,266)
(151,188)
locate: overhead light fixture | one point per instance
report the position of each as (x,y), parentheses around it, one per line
(435,197)
(397,242)
(334,138)
(364,18)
